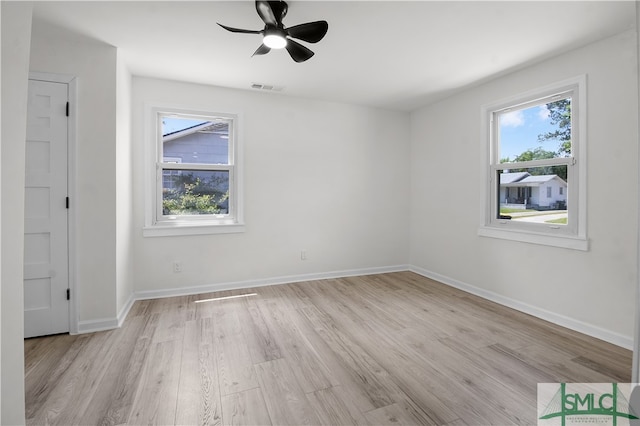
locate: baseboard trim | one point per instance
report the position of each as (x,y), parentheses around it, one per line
(122,315)
(561,320)
(288,279)
(102,324)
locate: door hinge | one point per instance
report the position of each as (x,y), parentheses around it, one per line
(68,294)
(67,202)
(67,110)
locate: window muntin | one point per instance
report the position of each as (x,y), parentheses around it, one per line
(560,151)
(196,182)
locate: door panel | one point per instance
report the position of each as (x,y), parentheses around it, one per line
(46,271)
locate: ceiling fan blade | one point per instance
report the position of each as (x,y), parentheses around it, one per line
(266,12)
(298,52)
(279,9)
(311,32)
(239,30)
(262,50)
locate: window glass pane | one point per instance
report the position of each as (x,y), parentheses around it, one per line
(534,194)
(196,141)
(536,132)
(195,192)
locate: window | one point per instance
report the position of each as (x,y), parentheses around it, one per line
(193,173)
(535,166)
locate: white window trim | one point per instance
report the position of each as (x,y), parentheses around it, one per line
(153,227)
(570,237)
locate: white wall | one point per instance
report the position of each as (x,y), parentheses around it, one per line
(16,36)
(124,191)
(56,50)
(325,177)
(595,287)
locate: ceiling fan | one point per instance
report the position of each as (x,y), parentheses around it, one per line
(277,36)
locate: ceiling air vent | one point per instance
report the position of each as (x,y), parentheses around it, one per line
(267,87)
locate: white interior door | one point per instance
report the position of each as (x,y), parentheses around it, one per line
(46,264)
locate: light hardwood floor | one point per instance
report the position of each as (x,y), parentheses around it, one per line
(382,349)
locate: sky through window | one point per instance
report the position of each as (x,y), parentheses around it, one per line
(519,130)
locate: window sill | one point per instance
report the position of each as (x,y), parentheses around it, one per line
(562,241)
(182,229)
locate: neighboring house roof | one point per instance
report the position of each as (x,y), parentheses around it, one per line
(538,179)
(206,127)
(184,132)
(526,179)
(512,177)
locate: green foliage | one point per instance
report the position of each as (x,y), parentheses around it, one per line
(562,221)
(192,197)
(507,210)
(540,154)
(560,115)
(531,154)
(536,154)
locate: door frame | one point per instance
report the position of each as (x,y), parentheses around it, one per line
(72,131)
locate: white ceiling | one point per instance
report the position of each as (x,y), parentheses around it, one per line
(390,54)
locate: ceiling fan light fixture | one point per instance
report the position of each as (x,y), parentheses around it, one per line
(274,40)
(276,36)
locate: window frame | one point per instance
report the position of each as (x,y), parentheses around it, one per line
(158,224)
(574,234)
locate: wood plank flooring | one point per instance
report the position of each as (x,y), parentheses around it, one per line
(382,349)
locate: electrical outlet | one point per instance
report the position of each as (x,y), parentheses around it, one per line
(177,267)
(303,255)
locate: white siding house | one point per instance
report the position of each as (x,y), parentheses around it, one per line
(523,190)
(206,142)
